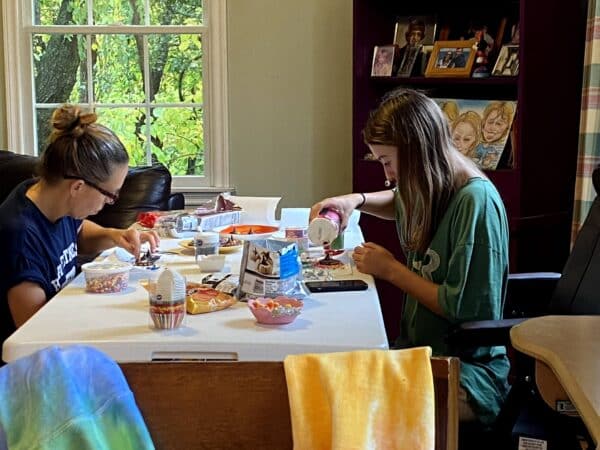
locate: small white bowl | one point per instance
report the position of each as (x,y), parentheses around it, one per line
(211,263)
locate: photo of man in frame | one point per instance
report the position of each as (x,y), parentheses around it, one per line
(410,34)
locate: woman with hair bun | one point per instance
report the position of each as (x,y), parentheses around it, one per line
(43,222)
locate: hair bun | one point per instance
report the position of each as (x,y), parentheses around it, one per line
(70,120)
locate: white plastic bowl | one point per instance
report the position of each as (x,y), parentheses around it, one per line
(211,263)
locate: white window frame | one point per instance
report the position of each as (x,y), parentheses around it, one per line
(20,93)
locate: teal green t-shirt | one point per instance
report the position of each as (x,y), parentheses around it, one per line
(468,259)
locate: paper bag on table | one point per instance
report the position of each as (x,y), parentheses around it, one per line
(269,268)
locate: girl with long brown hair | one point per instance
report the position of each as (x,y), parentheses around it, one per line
(452,226)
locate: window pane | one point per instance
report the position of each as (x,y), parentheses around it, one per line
(117,73)
(59,12)
(178,139)
(59,68)
(111,12)
(176,65)
(176,12)
(130,125)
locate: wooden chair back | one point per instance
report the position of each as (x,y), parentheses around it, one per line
(244,405)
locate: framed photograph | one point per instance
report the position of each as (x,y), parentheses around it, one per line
(507,64)
(407,62)
(414,30)
(383,61)
(451,59)
(480,129)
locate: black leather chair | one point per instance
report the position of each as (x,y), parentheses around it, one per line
(574,291)
(145,189)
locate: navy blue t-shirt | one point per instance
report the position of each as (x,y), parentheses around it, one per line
(33,249)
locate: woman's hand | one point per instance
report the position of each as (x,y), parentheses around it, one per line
(374,260)
(131,240)
(342,204)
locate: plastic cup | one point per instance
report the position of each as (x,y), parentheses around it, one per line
(206,243)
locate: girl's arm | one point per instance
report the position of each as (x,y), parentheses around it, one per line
(380,204)
(24,300)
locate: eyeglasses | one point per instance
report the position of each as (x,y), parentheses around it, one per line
(112,197)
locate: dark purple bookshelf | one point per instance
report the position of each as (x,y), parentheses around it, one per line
(538,188)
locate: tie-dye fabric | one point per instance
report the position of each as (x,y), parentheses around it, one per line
(71,398)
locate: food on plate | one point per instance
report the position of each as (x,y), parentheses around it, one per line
(328,262)
(147,258)
(229,244)
(229,241)
(203,298)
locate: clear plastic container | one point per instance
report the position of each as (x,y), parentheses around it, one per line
(299,235)
(106,277)
(186,222)
(206,243)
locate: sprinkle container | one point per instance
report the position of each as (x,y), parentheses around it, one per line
(106,277)
(324,228)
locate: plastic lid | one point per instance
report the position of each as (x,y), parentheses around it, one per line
(106,267)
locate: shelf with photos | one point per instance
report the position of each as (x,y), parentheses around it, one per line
(439,49)
(470,69)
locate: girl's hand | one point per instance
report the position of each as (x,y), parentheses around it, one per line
(374,260)
(131,240)
(344,205)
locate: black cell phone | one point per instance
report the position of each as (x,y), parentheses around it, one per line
(336,285)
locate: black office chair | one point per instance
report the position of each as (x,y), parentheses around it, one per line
(575,291)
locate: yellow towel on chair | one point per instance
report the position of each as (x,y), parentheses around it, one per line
(372,399)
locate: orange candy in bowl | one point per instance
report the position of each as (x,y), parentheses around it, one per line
(275,311)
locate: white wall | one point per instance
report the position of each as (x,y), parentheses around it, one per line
(290,89)
(290,96)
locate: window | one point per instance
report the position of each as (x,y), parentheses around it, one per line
(154,71)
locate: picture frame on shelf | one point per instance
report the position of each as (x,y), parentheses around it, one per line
(452,58)
(507,64)
(408,60)
(414,30)
(384,58)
